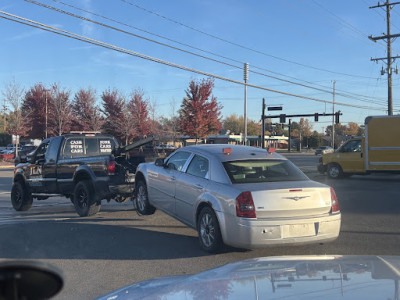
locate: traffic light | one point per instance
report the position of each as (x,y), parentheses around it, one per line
(337,114)
(282,118)
(316,117)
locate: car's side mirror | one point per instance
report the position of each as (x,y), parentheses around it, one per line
(159,162)
(40,160)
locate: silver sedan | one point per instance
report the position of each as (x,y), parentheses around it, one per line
(239,196)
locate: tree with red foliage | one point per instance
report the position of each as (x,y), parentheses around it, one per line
(138,108)
(200,116)
(34,110)
(59,109)
(86,115)
(113,110)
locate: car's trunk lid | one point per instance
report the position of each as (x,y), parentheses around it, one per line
(289,199)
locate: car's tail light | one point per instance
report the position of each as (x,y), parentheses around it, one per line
(245,205)
(111,167)
(334,201)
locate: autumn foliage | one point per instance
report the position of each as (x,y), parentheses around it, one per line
(200,112)
(85,114)
(125,117)
(34,107)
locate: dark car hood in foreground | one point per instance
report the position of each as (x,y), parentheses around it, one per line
(289,277)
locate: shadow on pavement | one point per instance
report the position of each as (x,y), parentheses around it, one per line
(75,240)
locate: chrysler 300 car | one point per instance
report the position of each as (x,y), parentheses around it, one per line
(239,196)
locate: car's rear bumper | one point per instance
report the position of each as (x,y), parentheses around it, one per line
(256,233)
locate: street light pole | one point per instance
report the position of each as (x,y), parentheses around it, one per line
(333,116)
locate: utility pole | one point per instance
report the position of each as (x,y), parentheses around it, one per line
(263,125)
(389,58)
(246,77)
(333,117)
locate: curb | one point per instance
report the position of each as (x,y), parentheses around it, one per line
(11,167)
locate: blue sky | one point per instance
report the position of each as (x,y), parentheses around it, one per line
(323,40)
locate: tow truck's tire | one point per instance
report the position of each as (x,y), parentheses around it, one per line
(21,199)
(334,171)
(209,231)
(85,199)
(143,205)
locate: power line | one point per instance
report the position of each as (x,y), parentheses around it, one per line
(341,21)
(182,50)
(205,51)
(68,34)
(239,45)
(316,17)
(129,33)
(389,59)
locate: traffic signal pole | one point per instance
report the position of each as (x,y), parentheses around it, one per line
(263,125)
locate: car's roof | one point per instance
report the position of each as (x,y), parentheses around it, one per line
(239,152)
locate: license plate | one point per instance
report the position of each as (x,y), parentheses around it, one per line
(298,230)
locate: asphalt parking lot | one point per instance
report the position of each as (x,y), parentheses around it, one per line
(117,247)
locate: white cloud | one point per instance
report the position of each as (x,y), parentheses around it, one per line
(87,27)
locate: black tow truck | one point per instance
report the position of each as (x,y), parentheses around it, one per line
(85,167)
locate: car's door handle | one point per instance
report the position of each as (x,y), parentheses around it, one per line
(361,154)
(199,187)
(173,178)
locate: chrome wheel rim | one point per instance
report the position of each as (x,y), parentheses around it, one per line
(207,230)
(141,198)
(334,171)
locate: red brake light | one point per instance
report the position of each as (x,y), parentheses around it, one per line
(245,205)
(227,150)
(111,167)
(334,201)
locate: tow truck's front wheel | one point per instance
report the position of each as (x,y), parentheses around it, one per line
(21,199)
(85,199)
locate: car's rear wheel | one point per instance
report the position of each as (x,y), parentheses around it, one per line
(209,231)
(143,205)
(334,171)
(85,199)
(21,199)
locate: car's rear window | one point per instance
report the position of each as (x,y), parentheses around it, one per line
(253,171)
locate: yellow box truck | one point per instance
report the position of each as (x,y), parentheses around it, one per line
(377,151)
